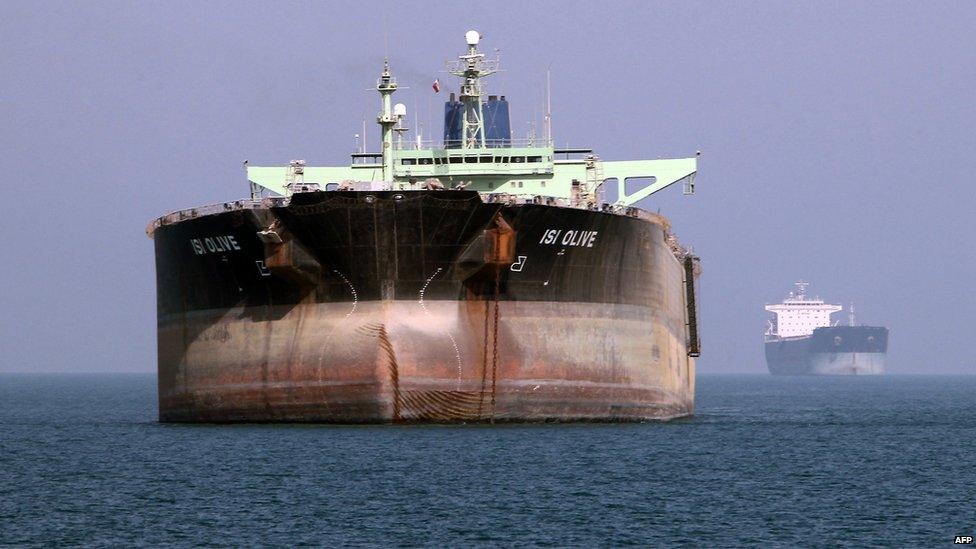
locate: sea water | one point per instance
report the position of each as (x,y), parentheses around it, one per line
(856,461)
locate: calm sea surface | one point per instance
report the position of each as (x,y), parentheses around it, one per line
(810,461)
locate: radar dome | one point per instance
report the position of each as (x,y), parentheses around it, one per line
(472,37)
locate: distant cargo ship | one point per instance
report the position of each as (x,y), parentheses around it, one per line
(800,340)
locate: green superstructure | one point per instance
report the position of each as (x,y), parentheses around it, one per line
(528,168)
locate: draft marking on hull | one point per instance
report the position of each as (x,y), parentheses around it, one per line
(352,290)
(457,351)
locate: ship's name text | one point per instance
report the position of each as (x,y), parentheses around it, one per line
(569,238)
(214,245)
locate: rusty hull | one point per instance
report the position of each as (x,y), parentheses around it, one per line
(429,307)
(440,361)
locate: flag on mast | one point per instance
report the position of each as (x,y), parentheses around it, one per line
(436,85)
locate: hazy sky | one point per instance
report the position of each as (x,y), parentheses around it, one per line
(837,145)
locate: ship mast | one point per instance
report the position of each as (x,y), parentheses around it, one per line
(801,290)
(471,67)
(386,85)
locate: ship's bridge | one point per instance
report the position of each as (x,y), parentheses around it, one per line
(429,160)
(798,315)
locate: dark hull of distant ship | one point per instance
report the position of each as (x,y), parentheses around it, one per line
(835,350)
(422,306)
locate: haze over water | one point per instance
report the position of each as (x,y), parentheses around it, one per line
(836,136)
(783,461)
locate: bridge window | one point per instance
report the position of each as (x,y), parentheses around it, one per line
(518,159)
(485,160)
(408,161)
(331,186)
(470,159)
(455,160)
(535,159)
(426,161)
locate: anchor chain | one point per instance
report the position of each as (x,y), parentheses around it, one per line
(484,363)
(494,357)
(493,339)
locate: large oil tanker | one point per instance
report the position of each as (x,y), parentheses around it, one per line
(481,278)
(801,340)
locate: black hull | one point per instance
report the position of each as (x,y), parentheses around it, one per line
(835,350)
(389,248)
(420,306)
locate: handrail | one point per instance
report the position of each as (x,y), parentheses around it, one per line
(212,209)
(431,144)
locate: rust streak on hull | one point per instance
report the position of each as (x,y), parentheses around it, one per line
(386,363)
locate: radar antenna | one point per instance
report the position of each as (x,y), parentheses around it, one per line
(471,67)
(801,289)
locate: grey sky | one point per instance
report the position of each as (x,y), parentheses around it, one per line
(837,137)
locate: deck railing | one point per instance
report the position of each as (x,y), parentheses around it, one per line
(211,209)
(428,144)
